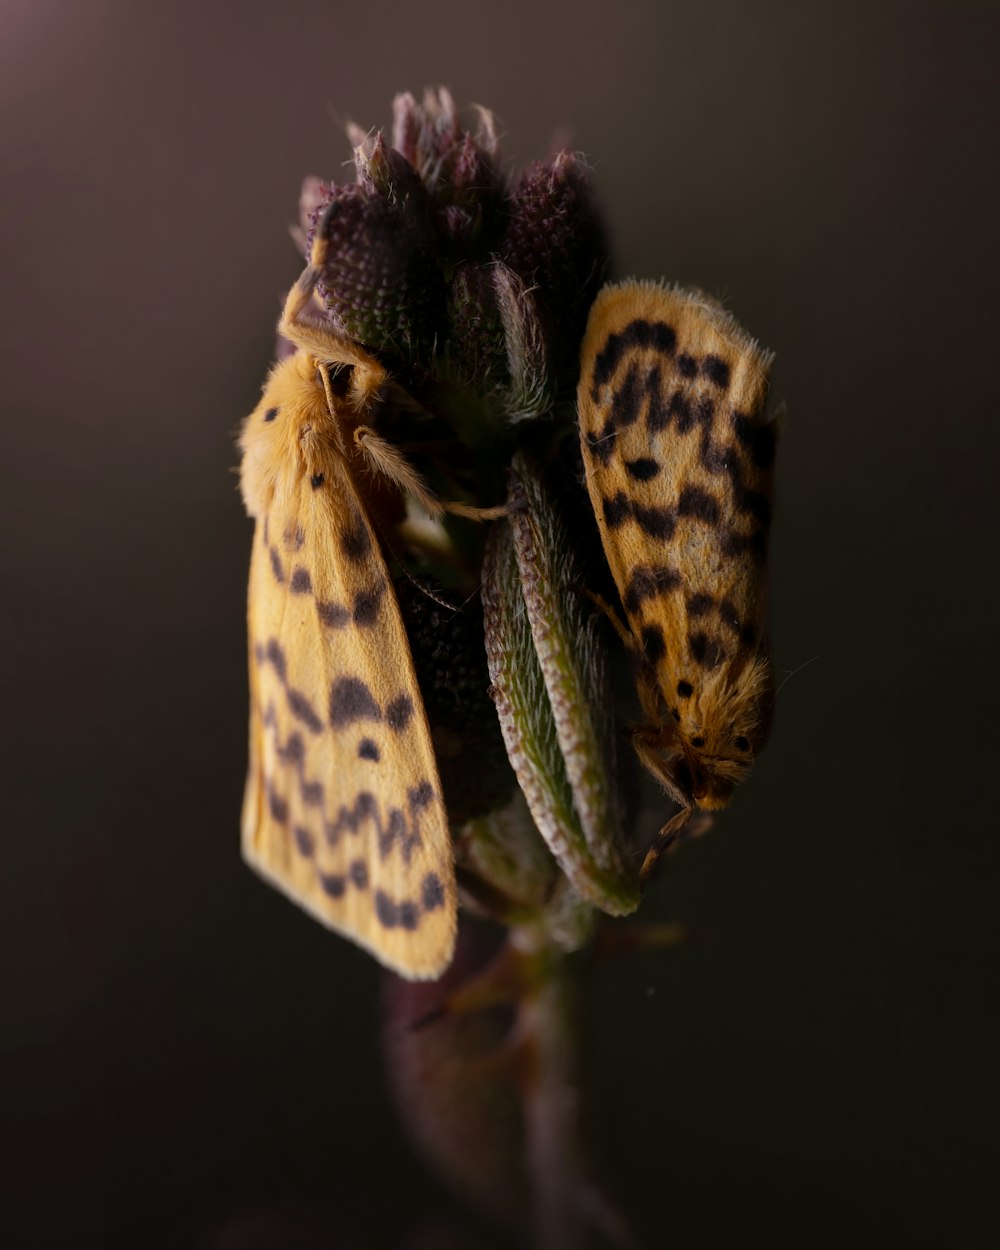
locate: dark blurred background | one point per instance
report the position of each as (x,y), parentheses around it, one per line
(185,1054)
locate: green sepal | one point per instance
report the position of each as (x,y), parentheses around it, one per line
(552,696)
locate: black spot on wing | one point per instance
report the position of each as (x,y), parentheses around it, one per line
(351,818)
(717,458)
(748,636)
(706,652)
(366,605)
(685,689)
(617,508)
(277,805)
(729,615)
(433,892)
(602,444)
(303,710)
(679,409)
(312,793)
(642,470)
(653,646)
(420,795)
(647,582)
(394,915)
(351,699)
(399,712)
(716,369)
(294,536)
(638,333)
(301,583)
(698,503)
(753,544)
(704,410)
(699,604)
(270,414)
(759,439)
(756,504)
(687,365)
(358,872)
(317,480)
(658,413)
(276,566)
(355,541)
(627,401)
(333,884)
(333,615)
(386,910)
(276,657)
(303,840)
(395,831)
(368,750)
(293,751)
(656,522)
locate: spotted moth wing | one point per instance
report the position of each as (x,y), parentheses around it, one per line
(678,456)
(343,809)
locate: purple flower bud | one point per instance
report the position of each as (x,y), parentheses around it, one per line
(385,172)
(381,282)
(427,134)
(555,241)
(475,185)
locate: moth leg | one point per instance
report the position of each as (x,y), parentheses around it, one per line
(621,628)
(648,745)
(672,830)
(393,464)
(301,325)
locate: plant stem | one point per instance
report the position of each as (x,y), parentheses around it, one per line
(553,1128)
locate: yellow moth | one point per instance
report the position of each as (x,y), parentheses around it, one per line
(343,808)
(678,455)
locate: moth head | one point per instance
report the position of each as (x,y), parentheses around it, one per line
(708,780)
(714,731)
(291,416)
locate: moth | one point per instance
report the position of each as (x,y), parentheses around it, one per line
(343,807)
(678,455)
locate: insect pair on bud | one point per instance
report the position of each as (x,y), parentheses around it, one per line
(439,302)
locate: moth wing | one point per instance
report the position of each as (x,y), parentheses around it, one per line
(343,808)
(678,456)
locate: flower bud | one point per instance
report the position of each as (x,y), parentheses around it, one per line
(555,241)
(381,282)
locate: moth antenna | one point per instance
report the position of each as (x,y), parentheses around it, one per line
(792,673)
(621,629)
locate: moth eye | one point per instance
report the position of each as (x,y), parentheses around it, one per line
(742,744)
(270,414)
(340,378)
(698,741)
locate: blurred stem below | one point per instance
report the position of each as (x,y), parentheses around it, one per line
(549,1018)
